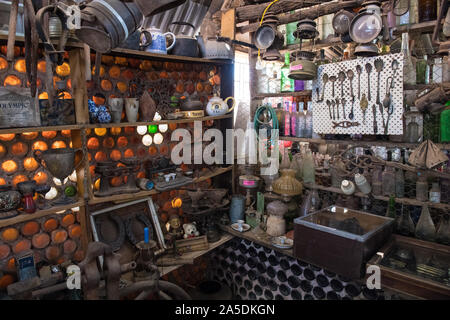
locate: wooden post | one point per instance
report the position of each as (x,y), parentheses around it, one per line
(78,78)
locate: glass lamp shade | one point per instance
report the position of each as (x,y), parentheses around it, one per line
(365,27)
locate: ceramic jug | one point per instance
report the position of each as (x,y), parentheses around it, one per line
(116,107)
(154,40)
(217,107)
(131,109)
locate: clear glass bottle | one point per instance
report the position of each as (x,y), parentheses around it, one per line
(435,193)
(409,67)
(308,120)
(399,183)
(422,187)
(287,84)
(301,121)
(388,181)
(405,225)
(294,113)
(412,131)
(443,232)
(308,169)
(290,28)
(425,228)
(280,117)
(287,117)
(377,184)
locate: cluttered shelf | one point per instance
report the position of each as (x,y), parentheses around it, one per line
(22,217)
(389,144)
(135,124)
(135,53)
(39,129)
(283,94)
(423,27)
(142,194)
(407,201)
(109,125)
(258,236)
(195,254)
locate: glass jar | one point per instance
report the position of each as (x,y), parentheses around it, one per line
(435,193)
(427,10)
(421,70)
(412,131)
(377,185)
(388,181)
(308,169)
(399,183)
(421,187)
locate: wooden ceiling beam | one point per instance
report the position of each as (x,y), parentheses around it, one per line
(255,11)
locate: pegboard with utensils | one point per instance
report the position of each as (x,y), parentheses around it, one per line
(362,96)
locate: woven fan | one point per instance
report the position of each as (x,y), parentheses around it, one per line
(427,155)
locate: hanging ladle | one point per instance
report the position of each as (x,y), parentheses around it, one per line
(324,80)
(342,78)
(395,68)
(350,75)
(333,80)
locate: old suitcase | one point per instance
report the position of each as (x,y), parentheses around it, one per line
(340,240)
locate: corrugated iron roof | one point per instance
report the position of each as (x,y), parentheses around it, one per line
(192,11)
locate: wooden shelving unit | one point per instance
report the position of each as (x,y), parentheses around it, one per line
(39,129)
(135,124)
(136,53)
(304,93)
(22,217)
(407,201)
(142,194)
(362,143)
(195,254)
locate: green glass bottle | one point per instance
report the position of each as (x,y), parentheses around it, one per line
(391,208)
(287,84)
(445,123)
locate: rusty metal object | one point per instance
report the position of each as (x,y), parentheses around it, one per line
(91,275)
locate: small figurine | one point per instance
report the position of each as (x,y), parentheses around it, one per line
(174,226)
(190,230)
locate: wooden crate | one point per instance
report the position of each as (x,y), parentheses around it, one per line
(320,241)
(407,282)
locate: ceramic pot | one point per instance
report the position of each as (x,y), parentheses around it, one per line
(116,107)
(131,109)
(237,208)
(217,107)
(276,226)
(154,40)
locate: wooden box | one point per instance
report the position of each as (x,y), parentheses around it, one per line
(340,240)
(401,262)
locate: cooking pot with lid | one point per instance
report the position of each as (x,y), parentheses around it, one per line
(105,24)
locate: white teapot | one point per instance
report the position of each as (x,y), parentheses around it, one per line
(217,107)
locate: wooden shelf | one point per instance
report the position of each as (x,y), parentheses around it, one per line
(407,201)
(108,125)
(195,254)
(258,236)
(39,129)
(134,53)
(22,217)
(141,194)
(362,143)
(304,93)
(136,124)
